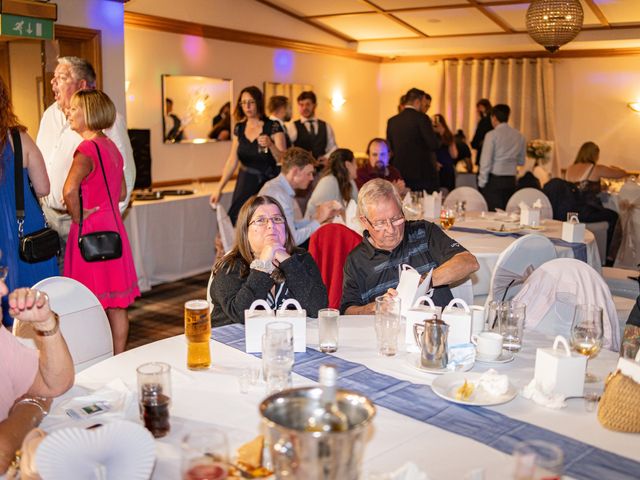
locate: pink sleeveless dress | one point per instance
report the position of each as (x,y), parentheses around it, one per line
(114,282)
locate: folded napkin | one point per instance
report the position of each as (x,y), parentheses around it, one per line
(461,356)
(409,471)
(493,383)
(534,391)
(115,393)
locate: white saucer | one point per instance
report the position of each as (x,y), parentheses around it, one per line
(413,359)
(505,357)
(447,385)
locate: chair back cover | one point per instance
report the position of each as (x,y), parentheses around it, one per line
(329,247)
(554,289)
(629,204)
(475,200)
(225,227)
(529,196)
(83,321)
(517,262)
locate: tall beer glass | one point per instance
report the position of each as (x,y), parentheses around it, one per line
(197,329)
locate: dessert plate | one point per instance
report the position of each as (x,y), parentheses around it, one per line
(447,385)
(413,359)
(504,229)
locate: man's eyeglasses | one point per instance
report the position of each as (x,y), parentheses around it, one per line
(262,221)
(380,225)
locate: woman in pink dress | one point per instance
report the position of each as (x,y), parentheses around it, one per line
(114,282)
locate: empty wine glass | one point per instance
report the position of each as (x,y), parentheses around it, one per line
(586,334)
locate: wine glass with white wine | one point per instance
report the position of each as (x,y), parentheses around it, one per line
(586,334)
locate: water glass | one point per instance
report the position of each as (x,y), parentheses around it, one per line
(277,348)
(154,396)
(205,455)
(538,460)
(387,324)
(512,326)
(328,329)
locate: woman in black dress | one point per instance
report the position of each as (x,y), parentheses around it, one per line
(257,144)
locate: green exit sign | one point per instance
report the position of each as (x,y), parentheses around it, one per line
(26,27)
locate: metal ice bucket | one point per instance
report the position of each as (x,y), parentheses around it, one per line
(299,454)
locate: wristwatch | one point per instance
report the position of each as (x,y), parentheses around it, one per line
(263,265)
(53,331)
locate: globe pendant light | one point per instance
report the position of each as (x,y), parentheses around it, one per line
(552,23)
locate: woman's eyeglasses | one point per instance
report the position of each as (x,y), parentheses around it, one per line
(262,221)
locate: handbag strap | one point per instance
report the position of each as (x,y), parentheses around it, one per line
(104,175)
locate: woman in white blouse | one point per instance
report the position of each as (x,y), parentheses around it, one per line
(337,181)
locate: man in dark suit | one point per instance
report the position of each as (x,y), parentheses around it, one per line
(413,143)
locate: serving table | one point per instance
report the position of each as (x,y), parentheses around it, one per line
(212,397)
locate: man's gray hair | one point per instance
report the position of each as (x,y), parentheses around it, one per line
(375,190)
(81,69)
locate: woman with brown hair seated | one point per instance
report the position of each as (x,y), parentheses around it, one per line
(264,264)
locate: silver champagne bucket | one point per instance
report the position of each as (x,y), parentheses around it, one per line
(299,454)
(431,337)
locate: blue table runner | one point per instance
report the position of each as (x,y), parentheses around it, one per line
(481,424)
(579,249)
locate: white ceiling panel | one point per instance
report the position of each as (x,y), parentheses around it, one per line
(451,21)
(515,15)
(620,11)
(367,26)
(322,7)
(393,4)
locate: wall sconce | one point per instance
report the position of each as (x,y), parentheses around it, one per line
(635,106)
(337,101)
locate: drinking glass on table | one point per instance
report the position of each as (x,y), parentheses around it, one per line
(277,355)
(154,396)
(538,460)
(512,325)
(586,334)
(387,324)
(205,455)
(328,329)
(447,218)
(197,330)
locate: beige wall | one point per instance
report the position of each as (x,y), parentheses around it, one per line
(149,54)
(591,96)
(25,69)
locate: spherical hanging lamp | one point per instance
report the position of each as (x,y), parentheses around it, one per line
(552,23)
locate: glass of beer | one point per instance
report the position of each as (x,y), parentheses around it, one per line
(154,396)
(197,330)
(447,218)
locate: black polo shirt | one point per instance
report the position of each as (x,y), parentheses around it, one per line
(370,272)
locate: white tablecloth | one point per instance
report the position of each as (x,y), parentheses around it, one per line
(487,247)
(212,397)
(173,238)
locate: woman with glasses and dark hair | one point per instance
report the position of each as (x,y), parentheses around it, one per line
(264,264)
(337,182)
(257,145)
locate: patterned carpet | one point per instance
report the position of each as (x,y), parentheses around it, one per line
(159,313)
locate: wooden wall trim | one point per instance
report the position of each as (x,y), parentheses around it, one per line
(152,22)
(94,40)
(29,8)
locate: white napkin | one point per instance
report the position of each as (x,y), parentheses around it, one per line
(493,383)
(408,471)
(115,393)
(461,356)
(534,391)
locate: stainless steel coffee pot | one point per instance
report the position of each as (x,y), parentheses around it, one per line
(431,337)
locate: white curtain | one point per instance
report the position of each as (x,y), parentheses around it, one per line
(526,85)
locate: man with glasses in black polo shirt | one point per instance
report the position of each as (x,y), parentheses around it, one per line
(372,268)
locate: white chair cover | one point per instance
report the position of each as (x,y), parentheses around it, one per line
(629,205)
(475,200)
(621,283)
(556,287)
(83,322)
(529,196)
(464,291)
(517,262)
(225,227)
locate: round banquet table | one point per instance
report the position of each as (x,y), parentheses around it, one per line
(212,397)
(487,246)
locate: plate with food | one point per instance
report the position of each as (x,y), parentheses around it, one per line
(503,229)
(477,389)
(530,228)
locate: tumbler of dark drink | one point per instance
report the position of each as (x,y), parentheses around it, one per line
(154,397)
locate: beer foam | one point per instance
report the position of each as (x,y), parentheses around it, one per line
(196,304)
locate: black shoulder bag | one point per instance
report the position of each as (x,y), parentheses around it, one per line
(40,245)
(99,246)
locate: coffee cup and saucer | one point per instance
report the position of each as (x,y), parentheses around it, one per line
(489,348)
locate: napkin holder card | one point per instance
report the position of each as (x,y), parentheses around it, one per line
(431,205)
(255,324)
(418,314)
(410,288)
(529,216)
(573,231)
(560,371)
(459,318)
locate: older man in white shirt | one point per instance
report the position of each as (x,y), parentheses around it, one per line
(58,142)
